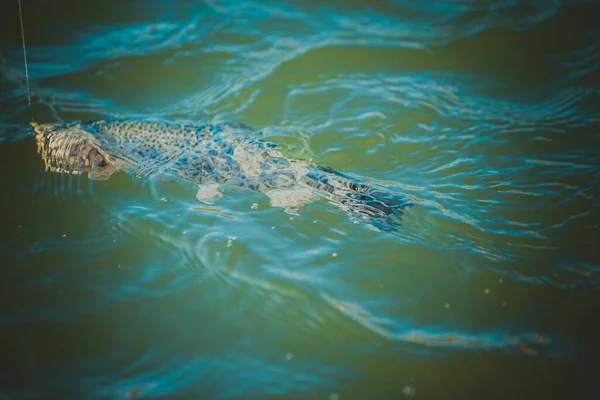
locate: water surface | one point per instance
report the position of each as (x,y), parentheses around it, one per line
(485,113)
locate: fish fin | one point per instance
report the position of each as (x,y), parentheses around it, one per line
(292,200)
(166,176)
(209,193)
(98,173)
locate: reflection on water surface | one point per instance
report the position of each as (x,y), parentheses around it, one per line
(484,113)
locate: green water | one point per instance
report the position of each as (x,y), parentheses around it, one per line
(484,113)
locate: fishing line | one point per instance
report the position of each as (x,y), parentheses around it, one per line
(16,77)
(6,70)
(24,52)
(47,101)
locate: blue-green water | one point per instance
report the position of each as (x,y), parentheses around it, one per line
(485,113)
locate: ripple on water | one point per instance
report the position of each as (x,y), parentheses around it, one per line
(498,253)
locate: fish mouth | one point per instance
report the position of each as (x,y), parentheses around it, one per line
(66,148)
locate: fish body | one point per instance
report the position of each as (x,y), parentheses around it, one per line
(213,156)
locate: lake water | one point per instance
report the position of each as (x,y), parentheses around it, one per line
(486,113)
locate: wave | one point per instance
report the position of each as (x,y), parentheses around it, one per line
(447,102)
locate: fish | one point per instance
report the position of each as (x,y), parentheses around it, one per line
(216,157)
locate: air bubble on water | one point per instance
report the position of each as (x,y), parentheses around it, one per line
(334,255)
(230,240)
(291,219)
(272,227)
(447,305)
(254,206)
(65,235)
(164,200)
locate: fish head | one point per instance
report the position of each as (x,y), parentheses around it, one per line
(69,148)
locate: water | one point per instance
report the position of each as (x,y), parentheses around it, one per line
(485,113)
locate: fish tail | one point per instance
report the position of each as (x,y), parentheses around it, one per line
(373,203)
